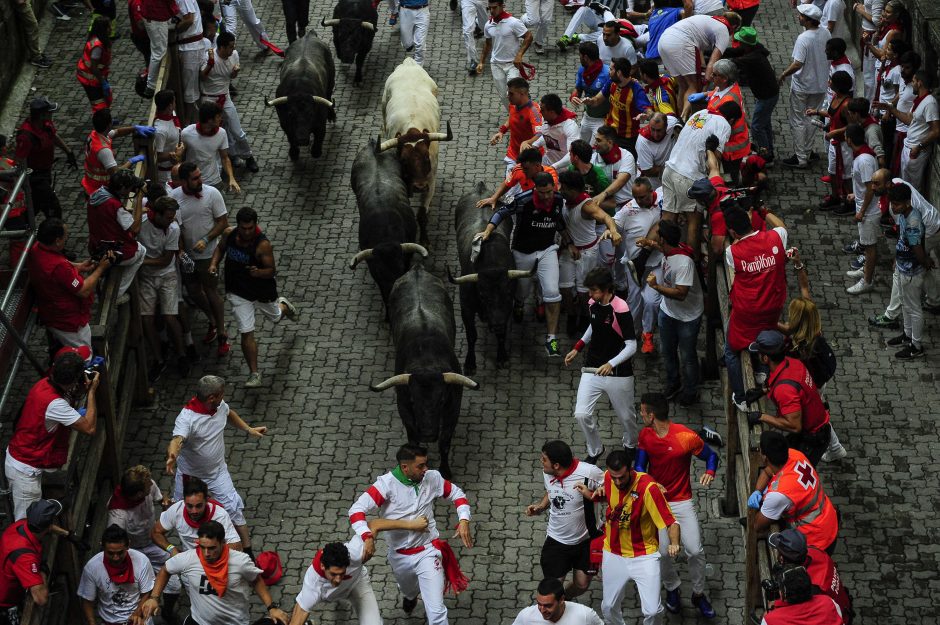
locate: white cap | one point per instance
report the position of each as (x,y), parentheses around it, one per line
(810,10)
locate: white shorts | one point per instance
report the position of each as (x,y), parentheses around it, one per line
(676,192)
(869,230)
(190,60)
(678,54)
(571,272)
(164,289)
(79,338)
(221,488)
(545,263)
(244,311)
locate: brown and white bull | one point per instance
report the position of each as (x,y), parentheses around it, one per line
(412,119)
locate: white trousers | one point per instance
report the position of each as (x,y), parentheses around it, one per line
(589,126)
(914,169)
(910,288)
(502,74)
(158,33)
(691,537)
(590,20)
(129,269)
(619,391)
(545,264)
(803,130)
(869,74)
(932,279)
(538,18)
(190,61)
(25,488)
(422,573)
(414,30)
(231,11)
(645,300)
(221,488)
(473,15)
(620,571)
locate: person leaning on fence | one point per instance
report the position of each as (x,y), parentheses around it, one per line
(40,439)
(798,603)
(111,226)
(63,296)
(21,560)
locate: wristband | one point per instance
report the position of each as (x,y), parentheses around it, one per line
(503,129)
(800,267)
(579,345)
(170,548)
(367,536)
(205,240)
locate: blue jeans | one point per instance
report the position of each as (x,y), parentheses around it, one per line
(736,371)
(761,130)
(678,339)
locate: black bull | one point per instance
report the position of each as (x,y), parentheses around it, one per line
(354,23)
(304,96)
(488,277)
(387,224)
(427,376)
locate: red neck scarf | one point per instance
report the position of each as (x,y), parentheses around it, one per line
(150,216)
(864,149)
(887,28)
(239,236)
(869,121)
(682,249)
(119,573)
(842,60)
(545,207)
(591,72)
(612,156)
(564,116)
(169,117)
(119,502)
(204,133)
(318,566)
(210,512)
(499,18)
(918,100)
(196,405)
(723,20)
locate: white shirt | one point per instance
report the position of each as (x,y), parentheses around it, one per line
(203,452)
(874,8)
(187,7)
(930,216)
(864,167)
(708,6)
(810,50)
(623,50)
(556,139)
(566,505)
(679,270)
(506,35)
(204,151)
(580,229)
(220,76)
(905,103)
(840,67)
(138,521)
(317,588)
(575,614)
(703,32)
(166,137)
(649,153)
(634,222)
(157,241)
(115,603)
(395,500)
(207,607)
(626,165)
(890,84)
(927,111)
(834,11)
(172,519)
(688,155)
(197,216)
(58,412)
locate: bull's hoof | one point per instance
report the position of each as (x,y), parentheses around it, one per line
(469,368)
(293,154)
(316,151)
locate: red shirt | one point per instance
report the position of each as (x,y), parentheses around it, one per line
(523,120)
(760,286)
(792,389)
(35,144)
(823,573)
(671,458)
(518,177)
(57,283)
(819,610)
(20,554)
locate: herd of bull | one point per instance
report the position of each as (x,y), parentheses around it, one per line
(428,379)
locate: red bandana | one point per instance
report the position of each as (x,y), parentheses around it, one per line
(864,150)
(545,207)
(204,133)
(591,72)
(167,117)
(318,566)
(612,156)
(917,101)
(499,18)
(887,28)
(842,60)
(119,573)
(723,20)
(564,116)
(682,249)
(198,196)
(150,216)
(119,502)
(210,512)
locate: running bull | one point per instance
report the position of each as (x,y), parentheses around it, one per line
(304,96)
(427,376)
(412,118)
(353,24)
(387,226)
(488,280)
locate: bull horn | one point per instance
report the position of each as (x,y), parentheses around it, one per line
(515,274)
(440,136)
(325,22)
(318,100)
(387,145)
(276,101)
(396,380)
(361,256)
(470,278)
(456,378)
(368,26)
(414,248)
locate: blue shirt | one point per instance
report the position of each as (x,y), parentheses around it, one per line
(659,21)
(601,83)
(910,233)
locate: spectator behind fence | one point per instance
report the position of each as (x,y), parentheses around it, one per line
(112,227)
(63,296)
(100,161)
(799,604)
(40,439)
(792,551)
(21,560)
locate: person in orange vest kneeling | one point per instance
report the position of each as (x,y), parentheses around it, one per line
(789,490)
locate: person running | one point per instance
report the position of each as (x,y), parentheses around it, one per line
(95,64)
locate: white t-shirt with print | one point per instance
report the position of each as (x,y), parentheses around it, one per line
(207,607)
(566,505)
(115,602)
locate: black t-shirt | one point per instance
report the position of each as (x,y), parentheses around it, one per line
(611,326)
(535,229)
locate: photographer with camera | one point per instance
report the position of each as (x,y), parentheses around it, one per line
(792,551)
(799,604)
(113,228)
(63,297)
(40,439)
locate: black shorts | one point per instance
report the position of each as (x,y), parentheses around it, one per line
(558,559)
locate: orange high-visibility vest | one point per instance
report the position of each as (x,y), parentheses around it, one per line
(86,64)
(739,143)
(812,513)
(96,175)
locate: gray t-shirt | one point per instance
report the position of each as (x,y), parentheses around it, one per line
(158,241)
(679,270)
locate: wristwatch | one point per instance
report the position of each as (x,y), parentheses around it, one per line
(272,606)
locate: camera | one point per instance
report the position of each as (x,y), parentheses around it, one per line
(771,590)
(95,365)
(102,249)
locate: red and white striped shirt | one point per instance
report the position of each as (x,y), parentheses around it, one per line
(396,500)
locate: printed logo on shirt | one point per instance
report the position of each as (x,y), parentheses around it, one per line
(34,568)
(558,502)
(205,588)
(75,282)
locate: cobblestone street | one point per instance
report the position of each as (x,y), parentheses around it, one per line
(330,435)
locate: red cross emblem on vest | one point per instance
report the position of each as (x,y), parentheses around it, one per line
(807,477)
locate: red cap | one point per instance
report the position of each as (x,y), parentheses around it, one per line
(270,564)
(84,351)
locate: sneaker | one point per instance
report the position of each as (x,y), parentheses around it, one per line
(883,321)
(594,459)
(844,210)
(701,602)
(254,380)
(855,273)
(224,348)
(551,347)
(898,341)
(211,335)
(673,601)
(568,40)
(759,378)
(518,313)
(183,367)
(252,165)
(832,456)
(472,68)
(59,12)
(148,93)
(673,391)
(237,162)
(710,436)
(858,262)
(290,311)
(910,352)
(813,156)
(854,248)
(860,287)
(739,402)
(41,61)
(648,347)
(794,161)
(539,48)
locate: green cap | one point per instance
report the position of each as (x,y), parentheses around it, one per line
(747,34)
